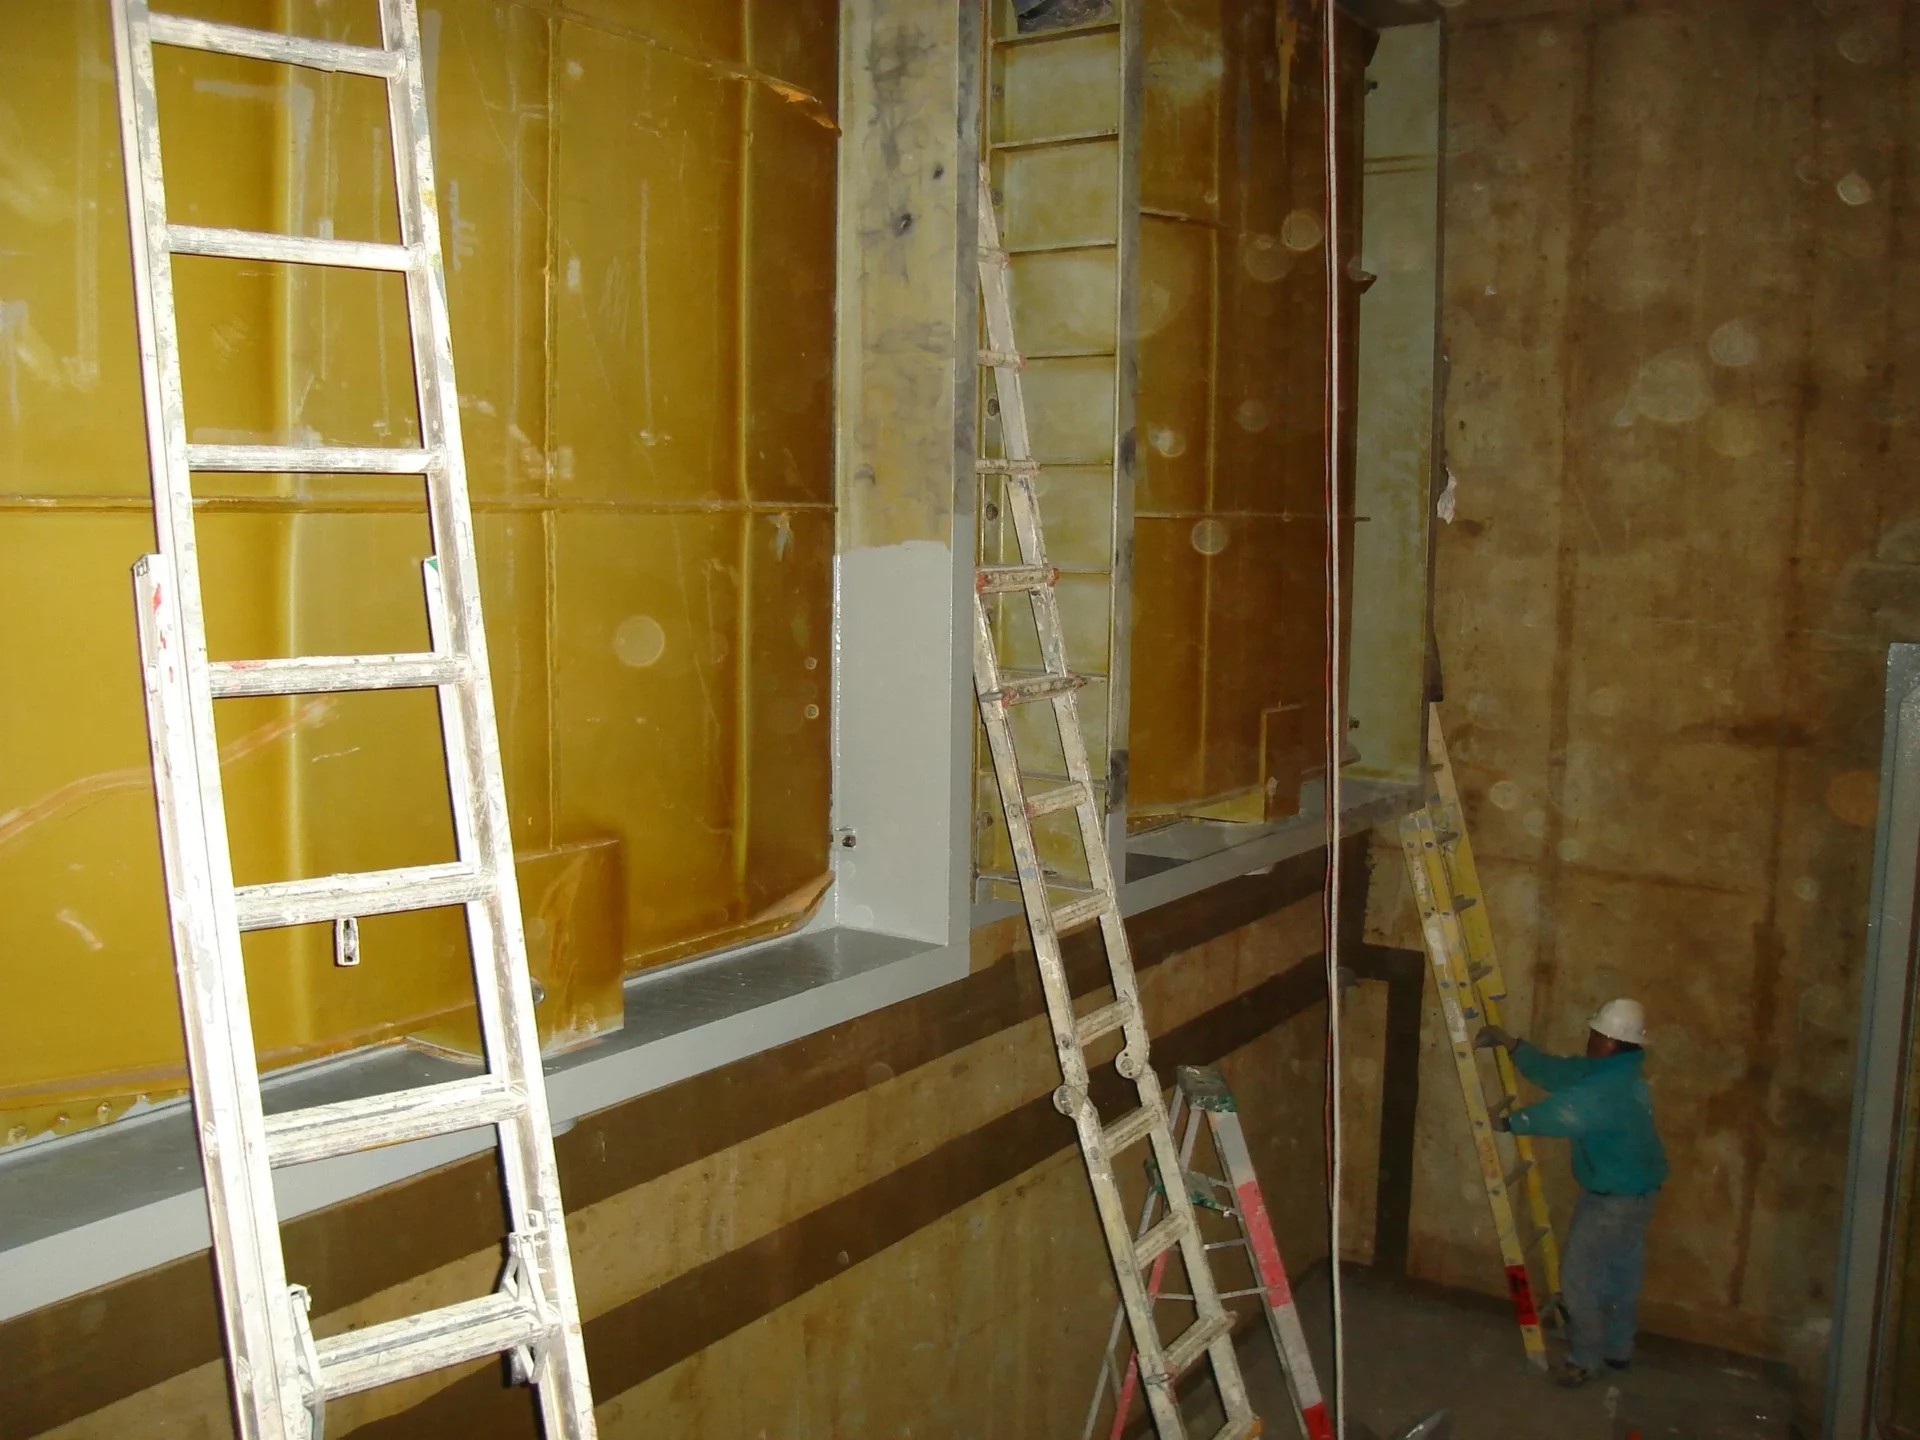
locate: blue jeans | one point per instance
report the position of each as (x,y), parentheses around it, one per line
(1600,1276)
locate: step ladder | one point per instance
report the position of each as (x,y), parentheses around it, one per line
(999,691)
(1467,974)
(1204,1093)
(282,1375)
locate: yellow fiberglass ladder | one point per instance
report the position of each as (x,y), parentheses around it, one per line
(999,691)
(282,1374)
(1467,975)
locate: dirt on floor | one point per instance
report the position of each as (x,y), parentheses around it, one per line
(1412,1350)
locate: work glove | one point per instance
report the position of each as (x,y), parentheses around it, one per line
(1491,1035)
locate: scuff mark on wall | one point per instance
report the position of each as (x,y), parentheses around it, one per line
(77,795)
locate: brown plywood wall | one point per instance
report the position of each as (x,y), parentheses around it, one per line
(1682,306)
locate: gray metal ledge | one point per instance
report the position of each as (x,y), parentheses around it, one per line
(87,1210)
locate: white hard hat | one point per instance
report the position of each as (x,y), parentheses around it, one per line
(1621,1020)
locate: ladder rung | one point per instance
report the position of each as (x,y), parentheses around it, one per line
(265,45)
(1066,797)
(1464,903)
(313,54)
(1536,1238)
(999,579)
(1028,688)
(994,255)
(1072,916)
(1518,1173)
(350,1126)
(316,674)
(1501,1106)
(1178,1357)
(1128,1130)
(311,459)
(1104,1021)
(1003,359)
(418,1344)
(1157,1241)
(1001,465)
(287,249)
(1479,971)
(1446,837)
(370,892)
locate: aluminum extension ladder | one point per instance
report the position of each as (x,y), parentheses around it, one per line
(999,691)
(282,1375)
(1467,974)
(1204,1092)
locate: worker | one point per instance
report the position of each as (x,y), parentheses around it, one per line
(1601,1103)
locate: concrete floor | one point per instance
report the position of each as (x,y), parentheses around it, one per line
(1412,1350)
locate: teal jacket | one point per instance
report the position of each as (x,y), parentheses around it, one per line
(1605,1108)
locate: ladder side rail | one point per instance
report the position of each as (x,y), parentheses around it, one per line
(1276,1291)
(504,988)
(1123,1399)
(1024,507)
(1026,860)
(1446,956)
(558,1369)
(1212,1334)
(1489,978)
(246,1249)
(258,1309)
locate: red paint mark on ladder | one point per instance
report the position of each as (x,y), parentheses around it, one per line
(1278,1293)
(1132,1381)
(1521,1288)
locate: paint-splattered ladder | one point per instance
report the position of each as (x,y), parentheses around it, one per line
(282,1374)
(1000,692)
(1467,974)
(1205,1093)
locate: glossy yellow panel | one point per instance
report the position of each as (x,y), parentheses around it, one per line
(1064,301)
(1181,115)
(646,367)
(1169,650)
(1067,195)
(1070,409)
(1085,602)
(797,42)
(1077,502)
(712,33)
(788,306)
(1064,88)
(82,911)
(647,710)
(513,584)
(643,329)
(1229,576)
(1177,316)
(786,654)
(490,140)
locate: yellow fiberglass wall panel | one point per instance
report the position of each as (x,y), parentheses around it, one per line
(1230,570)
(1053,120)
(637,213)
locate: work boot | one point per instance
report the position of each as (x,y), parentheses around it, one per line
(1572,1376)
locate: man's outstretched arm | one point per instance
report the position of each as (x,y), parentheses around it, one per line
(1549,1072)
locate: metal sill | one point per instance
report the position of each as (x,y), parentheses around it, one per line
(91,1209)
